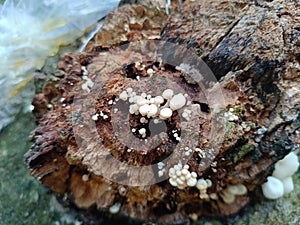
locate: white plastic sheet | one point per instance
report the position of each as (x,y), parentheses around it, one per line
(30,31)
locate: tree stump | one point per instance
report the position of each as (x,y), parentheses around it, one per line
(229,133)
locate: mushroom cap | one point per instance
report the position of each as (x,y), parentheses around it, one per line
(165,113)
(287,166)
(238,189)
(273,188)
(177,102)
(167,94)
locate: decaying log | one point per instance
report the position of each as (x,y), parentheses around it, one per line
(252,48)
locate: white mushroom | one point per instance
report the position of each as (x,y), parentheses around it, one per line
(152,110)
(165,113)
(123,96)
(168,93)
(273,188)
(238,189)
(288,185)
(287,166)
(177,102)
(144,109)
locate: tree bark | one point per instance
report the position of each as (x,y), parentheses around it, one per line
(253,50)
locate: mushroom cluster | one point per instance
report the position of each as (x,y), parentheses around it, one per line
(281,182)
(161,106)
(181,177)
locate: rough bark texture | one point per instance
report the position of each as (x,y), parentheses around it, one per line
(253,49)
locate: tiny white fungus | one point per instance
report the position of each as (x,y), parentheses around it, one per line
(142,131)
(85,177)
(144,109)
(227,197)
(152,110)
(123,96)
(177,101)
(143,120)
(129,90)
(115,208)
(150,71)
(192,182)
(273,188)
(194,174)
(213,196)
(160,173)
(133,109)
(201,184)
(158,100)
(238,189)
(165,113)
(31,107)
(152,101)
(167,94)
(287,166)
(95,117)
(141,101)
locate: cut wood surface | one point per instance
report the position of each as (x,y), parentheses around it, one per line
(253,50)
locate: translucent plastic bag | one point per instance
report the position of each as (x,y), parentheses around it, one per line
(30,31)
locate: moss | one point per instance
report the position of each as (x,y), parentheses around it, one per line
(244,150)
(229,126)
(74,157)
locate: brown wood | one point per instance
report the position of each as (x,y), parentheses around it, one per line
(253,49)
